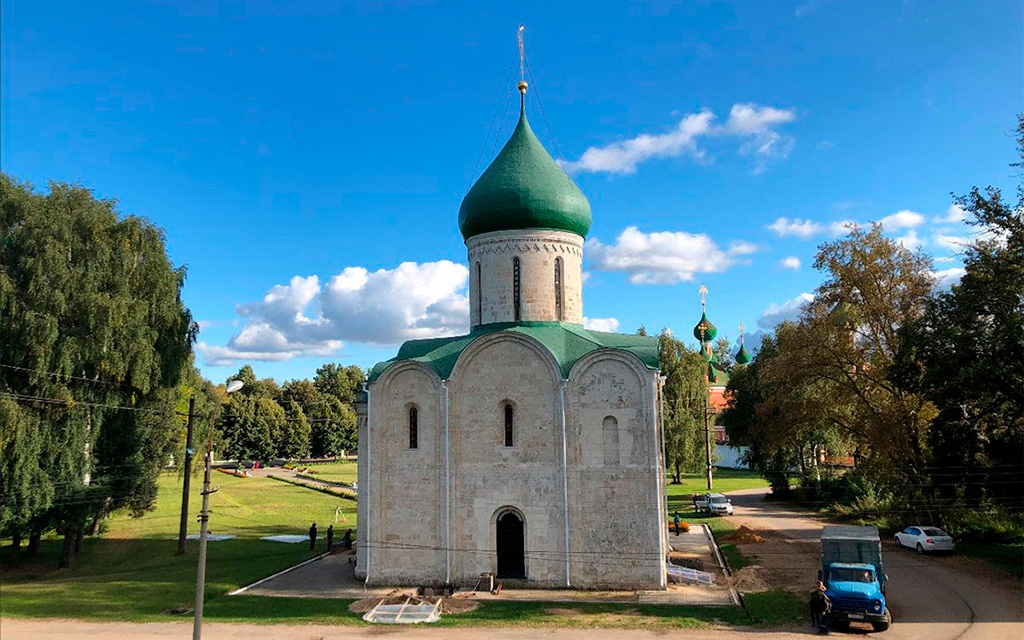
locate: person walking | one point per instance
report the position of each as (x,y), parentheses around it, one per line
(821,607)
(676,520)
(312,537)
(330,538)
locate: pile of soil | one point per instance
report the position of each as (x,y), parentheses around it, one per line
(747,580)
(743,535)
(452,604)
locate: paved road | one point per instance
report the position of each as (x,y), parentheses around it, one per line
(931,597)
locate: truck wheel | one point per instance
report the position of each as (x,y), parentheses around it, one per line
(884,624)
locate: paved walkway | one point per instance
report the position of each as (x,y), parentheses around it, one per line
(333,576)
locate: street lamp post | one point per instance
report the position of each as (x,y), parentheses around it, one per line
(204,518)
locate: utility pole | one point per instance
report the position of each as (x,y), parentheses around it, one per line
(204,518)
(183,527)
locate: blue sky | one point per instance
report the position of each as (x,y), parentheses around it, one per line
(307,159)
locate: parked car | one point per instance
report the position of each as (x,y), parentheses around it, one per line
(924,539)
(715,503)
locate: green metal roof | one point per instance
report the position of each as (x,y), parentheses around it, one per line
(742,357)
(566,342)
(524,188)
(709,329)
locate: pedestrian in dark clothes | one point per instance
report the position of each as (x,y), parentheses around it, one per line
(330,538)
(312,537)
(821,607)
(676,520)
(347,540)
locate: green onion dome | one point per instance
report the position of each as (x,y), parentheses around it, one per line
(742,357)
(709,329)
(524,188)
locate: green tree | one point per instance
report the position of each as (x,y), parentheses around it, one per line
(332,423)
(685,394)
(966,355)
(723,352)
(293,442)
(344,383)
(93,341)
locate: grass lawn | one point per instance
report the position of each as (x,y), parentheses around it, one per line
(131,572)
(1009,557)
(335,471)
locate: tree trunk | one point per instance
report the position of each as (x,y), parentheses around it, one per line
(94,526)
(15,546)
(677,477)
(67,550)
(33,542)
(79,535)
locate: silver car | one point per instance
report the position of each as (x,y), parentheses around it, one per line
(925,539)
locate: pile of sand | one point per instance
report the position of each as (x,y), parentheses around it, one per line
(743,535)
(452,604)
(747,580)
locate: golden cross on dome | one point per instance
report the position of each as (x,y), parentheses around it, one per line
(522,60)
(703,291)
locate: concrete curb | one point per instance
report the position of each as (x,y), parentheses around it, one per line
(279,573)
(736,598)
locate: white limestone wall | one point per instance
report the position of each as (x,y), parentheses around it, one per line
(614,471)
(615,480)
(490,284)
(488,476)
(405,539)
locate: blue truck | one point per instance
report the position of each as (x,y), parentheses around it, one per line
(851,568)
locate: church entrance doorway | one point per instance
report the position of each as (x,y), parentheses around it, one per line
(511,545)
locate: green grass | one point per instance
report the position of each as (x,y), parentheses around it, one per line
(131,572)
(736,558)
(771,608)
(1009,557)
(335,471)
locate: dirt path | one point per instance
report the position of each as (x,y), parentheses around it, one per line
(936,598)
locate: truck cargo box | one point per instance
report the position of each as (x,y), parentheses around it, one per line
(849,544)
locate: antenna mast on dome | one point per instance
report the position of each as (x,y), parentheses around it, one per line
(522,60)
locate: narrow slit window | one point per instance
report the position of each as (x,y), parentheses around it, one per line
(509,426)
(479,297)
(558,288)
(414,436)
(515,288)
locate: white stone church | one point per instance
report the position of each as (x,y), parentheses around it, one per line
(530,448)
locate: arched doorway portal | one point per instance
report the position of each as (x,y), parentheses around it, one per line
(511,545)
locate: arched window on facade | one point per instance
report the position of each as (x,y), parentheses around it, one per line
(479,297)
(558,288)
(610,440)
(515,288)
(510,417)
(414,428)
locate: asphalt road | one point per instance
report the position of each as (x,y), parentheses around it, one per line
(937,598)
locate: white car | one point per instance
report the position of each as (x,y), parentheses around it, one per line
(924,539)
(715,503)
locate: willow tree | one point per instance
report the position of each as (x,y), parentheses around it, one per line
(93,341)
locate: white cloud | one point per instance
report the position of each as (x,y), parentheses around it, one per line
(909,240)
(610,325)
(788,310)
(754,125)
(791,262)
(800,228)
(903,219)
(946,278)
(953,215)
(664,257)
(382,307)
